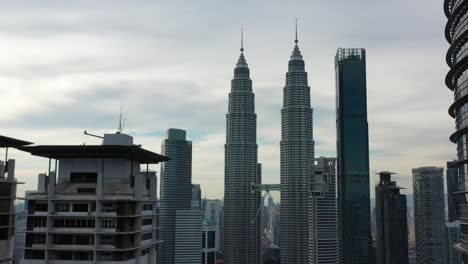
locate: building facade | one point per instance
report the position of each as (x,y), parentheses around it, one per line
(453,238)
(453,196)
(94,205)
(210,245)
(188,237)
(241,222)
(429,215)
(353,156)
(391,220)
(297,152)
(8,184)
(175,190)
(323,213)
(196,196)
(456,33)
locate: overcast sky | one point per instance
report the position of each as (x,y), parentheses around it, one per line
(67,66)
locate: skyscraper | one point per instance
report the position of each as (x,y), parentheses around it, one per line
(353,156)
(391,218)
(323,213)
(176,188)
(453,196)
(188,237)
(297,153)
(241,222)
(429,215)
(196,196)
(456,33)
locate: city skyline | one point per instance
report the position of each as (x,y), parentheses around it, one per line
(45,84)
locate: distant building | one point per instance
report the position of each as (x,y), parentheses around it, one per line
(210,245)
(429,215)
(213,218)
(99,208)
(353,156)
(8,185)
(323,213)
(242,224)
(453,196)
(188,237)
(196,196)
(176,189)
(20,237)
(391,220)
(297,152)
(453,238)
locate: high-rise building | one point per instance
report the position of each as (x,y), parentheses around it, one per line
(353,156)
(456,33)
(391,220)
(453,196)
(188,237)
(175,190)
(20,236)
(214,217)
(94,205)
(453,238)
(196,196)
(8,185)
(241,222)
(297,152)
(429,215)
(323,213)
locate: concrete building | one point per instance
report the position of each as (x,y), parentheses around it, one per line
(188,237)
(241,222)
(323,213)
(176,188)
(429,215)
(214,216)
(453,238)
(94,205)
(456,33)
(353,156)
(297,152)
(391,220)
(8,185)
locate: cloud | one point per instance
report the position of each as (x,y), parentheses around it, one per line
(67,67)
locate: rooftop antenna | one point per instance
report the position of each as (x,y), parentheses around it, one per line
(242,40)
(296,41)
(121,122)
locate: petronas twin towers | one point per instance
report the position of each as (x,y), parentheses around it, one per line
(242,221)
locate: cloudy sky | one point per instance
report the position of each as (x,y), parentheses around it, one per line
(67,66)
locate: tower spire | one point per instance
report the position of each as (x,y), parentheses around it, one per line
(242,40)
(296,41)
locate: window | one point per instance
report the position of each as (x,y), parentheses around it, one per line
(80,207)
(147,221)
(62,207)
(146,236)
(86,190)
(108,223)
(83,177)
(147,207)
(41,207)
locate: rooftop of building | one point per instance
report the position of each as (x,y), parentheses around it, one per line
(6,142)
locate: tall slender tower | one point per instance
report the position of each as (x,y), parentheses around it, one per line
(176,189)
(353,156)
(297,151)
(241,223)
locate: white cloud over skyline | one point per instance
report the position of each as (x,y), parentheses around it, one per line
(68,66)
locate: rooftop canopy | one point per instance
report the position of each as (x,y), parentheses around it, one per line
(6,142)
(135,153)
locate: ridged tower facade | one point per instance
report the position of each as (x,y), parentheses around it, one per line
(297,152)
(241,223)
(456,33)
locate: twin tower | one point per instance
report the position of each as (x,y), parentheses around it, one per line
(242,223)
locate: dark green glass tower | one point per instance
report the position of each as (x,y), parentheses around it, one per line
(353,156)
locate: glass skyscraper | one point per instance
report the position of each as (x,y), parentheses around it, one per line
(241,222)
(297,154)
(456,33)
(353,156)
